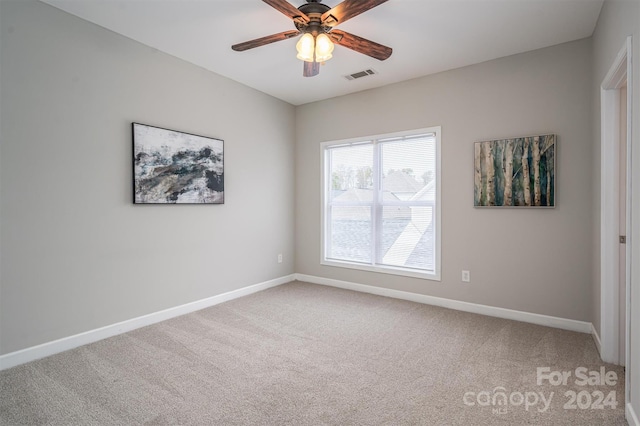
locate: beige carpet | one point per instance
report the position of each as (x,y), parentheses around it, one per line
(302,354)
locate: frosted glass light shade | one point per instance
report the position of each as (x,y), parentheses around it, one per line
(324,48)
(305,47)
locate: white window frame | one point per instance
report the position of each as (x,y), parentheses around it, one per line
(325,187)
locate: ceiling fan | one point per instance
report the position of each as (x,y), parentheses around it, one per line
(316,22)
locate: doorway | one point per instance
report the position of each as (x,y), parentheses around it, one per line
(622,217)
(615,215)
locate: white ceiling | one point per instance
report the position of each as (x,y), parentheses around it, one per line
(427,36)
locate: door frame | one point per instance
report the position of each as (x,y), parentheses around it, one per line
(619,73)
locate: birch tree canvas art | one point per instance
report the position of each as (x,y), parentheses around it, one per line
(517,172)
(171,167)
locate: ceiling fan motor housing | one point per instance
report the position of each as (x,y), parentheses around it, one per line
(314,10)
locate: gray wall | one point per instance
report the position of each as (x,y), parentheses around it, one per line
(76,254)
(528,260)
(618,20)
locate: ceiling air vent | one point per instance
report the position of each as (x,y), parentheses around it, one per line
(360,74)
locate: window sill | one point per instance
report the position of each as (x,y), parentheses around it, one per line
(432,276)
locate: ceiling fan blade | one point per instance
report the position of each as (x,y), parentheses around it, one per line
(264,40)
(288,9)
(310,69)
(347,10)
(361,45)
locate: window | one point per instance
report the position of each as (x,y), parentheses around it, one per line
(381,203)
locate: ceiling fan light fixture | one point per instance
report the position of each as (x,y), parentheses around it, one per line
(324,48)
(315,22)
(305,48)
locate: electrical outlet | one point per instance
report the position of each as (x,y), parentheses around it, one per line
(280,258)
(466,277)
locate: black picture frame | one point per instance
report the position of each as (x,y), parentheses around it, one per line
(174,167)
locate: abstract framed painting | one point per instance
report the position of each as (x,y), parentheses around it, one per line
(172,167)
(518,172)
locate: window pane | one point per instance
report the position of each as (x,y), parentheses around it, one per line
(350,234)
(351,171)
(407,237)
(408,166)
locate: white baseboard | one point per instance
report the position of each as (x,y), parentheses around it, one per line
(632,417)
(549,321)
(50,348)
